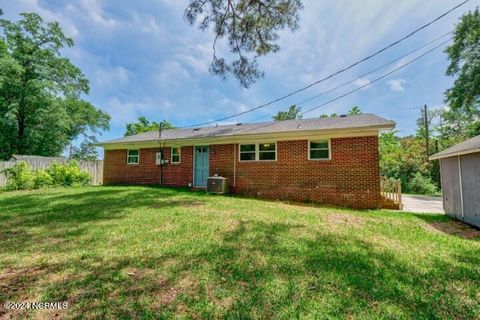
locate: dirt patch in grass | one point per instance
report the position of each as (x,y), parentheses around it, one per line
(8,234)
(455,228)
(177,203)
(137,274)
(167,294)
(14,282)
(346,219)
(166,297)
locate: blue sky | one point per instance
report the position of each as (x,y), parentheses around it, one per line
(143,58)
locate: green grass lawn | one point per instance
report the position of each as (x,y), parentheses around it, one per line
(140,252)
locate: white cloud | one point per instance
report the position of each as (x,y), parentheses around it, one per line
(172,75)
(64,20)
(124,111)
(362,82)
(110,76)
(197,57)
(143,58)
(343,35)
(397,85)
(94,11)
(128,110)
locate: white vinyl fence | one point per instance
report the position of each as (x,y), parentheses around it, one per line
(94,169)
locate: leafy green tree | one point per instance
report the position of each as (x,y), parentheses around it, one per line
(40,106)
(251,28)
(87,151)
(324,115)
(144,125)
(292,114)
(354,111)
(463,99)
(404,159)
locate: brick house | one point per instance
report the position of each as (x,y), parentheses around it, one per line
(325,160)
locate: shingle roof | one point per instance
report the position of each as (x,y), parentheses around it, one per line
(314,124)
(469,146)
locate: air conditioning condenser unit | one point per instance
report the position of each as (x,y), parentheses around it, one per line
(217,185)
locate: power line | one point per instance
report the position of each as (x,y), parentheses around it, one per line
(379,78)
(361,76)
(335,73)
(363,86)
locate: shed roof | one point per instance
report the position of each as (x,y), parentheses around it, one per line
(469,146)
(314,124)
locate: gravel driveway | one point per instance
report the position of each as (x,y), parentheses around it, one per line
(420,203)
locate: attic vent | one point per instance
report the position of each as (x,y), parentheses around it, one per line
(196,129)
(343,115)
(239,124)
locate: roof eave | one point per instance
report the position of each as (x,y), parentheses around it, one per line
(274,135)
(453,154)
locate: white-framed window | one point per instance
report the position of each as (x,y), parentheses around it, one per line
(247,152)
(175,158)
(258,151)
(133,156)
(267,151)
(319,150)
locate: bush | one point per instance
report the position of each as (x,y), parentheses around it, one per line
(19,176)
(68,174)
(42,179)
(421,184)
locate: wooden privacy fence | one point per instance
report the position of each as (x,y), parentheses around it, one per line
(94,169)
(391,190)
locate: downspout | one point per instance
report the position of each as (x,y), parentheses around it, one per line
(234,164)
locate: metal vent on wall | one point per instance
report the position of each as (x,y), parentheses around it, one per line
(217,185)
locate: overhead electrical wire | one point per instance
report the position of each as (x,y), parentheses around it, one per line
(360,87)
(378,78)
(334,73)
(359,77)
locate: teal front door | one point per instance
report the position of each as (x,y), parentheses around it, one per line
(200,173)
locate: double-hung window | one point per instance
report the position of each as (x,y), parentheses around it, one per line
(133,156)
(319,150)
(175,155)
(247,152)
(267,151)
(258,152)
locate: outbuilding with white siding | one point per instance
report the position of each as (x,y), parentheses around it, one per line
(460,175)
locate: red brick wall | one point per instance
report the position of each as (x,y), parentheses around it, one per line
(351,178)
(117,171)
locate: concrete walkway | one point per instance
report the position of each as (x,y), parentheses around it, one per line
(422,204)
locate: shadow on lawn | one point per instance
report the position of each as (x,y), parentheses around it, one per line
(260,270)
(255,270)
(444,224)
(64,215)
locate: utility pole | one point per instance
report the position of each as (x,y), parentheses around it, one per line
(425,122)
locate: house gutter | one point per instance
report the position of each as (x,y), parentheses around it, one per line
(260,137)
